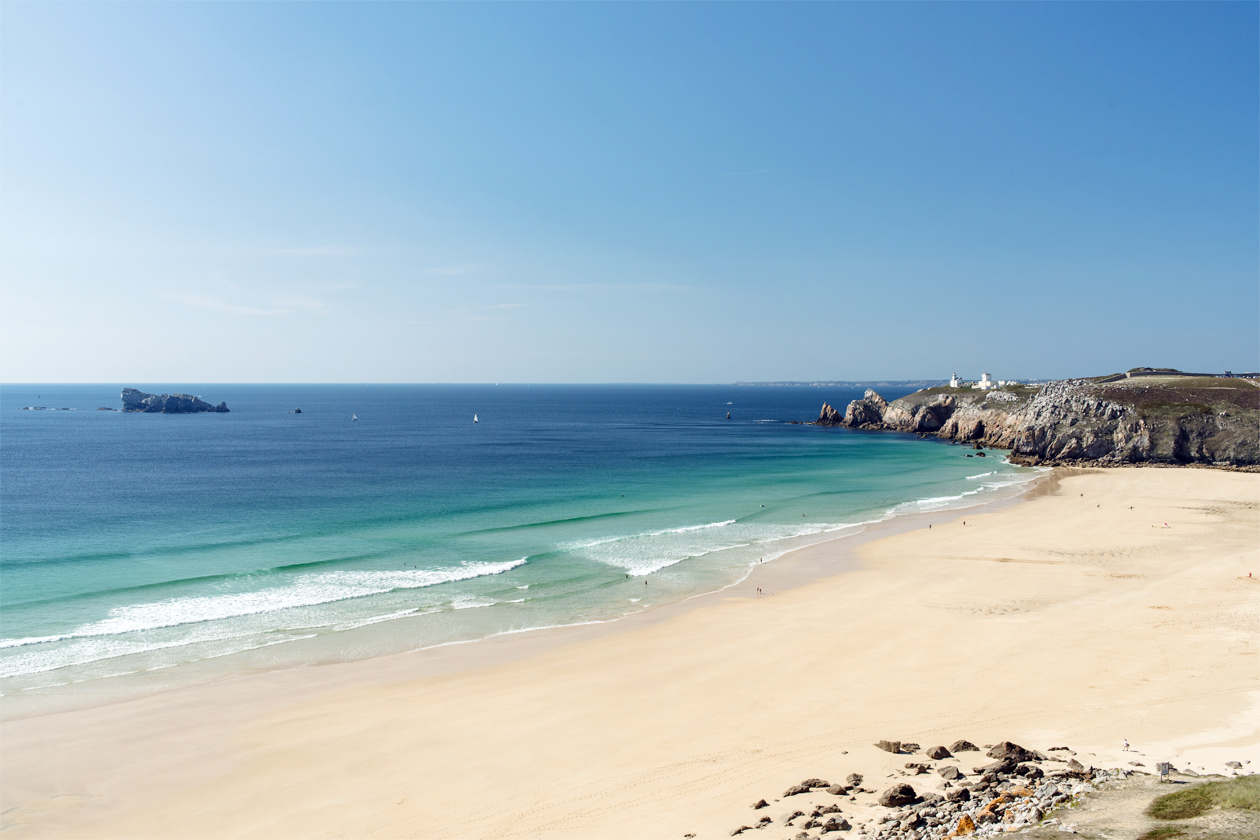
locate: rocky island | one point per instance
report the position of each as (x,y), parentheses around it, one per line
(135,400)
(1142,416)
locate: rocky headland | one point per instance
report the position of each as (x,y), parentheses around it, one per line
(1122,419)
(136,400)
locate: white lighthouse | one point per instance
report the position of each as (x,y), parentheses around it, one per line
(954,381)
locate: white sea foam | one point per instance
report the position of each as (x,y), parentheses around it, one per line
(652,551)
(306,591)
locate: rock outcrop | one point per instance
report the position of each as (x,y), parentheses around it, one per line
(135,400)
(1175,420)
(1042,791)
(830,417)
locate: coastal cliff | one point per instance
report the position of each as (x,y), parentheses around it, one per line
(1169,419)
(135,400)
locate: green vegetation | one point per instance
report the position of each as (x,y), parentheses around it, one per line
(1162,396)
(1164,832)
(1242,793)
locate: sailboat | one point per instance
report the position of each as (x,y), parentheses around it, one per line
(354,417)
(475,418)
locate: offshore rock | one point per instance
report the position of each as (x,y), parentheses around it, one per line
(829,417)
(135,400)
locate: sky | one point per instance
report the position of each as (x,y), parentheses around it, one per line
(664,192)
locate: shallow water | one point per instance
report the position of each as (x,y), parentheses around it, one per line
(134,543)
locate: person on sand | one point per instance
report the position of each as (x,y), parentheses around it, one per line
(1126,745)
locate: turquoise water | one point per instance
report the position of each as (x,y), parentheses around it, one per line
(132,544)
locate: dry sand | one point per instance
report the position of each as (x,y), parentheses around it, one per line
(1071,618)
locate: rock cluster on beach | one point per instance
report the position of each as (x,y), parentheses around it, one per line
(135,400)
(1079,421)
(1019,787)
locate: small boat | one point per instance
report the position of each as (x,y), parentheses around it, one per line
(728,415)
(354,417)
(475,418)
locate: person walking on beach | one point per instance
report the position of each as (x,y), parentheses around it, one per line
(1126,745)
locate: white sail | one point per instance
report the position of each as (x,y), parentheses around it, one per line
(475,418)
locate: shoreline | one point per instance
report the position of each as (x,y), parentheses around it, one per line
(1045,621)
(783,572)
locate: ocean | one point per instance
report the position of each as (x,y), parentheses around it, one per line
(150,550)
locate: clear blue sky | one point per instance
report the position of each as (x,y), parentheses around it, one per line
(250,192)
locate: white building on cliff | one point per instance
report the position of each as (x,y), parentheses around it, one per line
(954,381)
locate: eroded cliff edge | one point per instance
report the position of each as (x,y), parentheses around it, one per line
(1109,420)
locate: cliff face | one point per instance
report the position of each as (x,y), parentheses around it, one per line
(1172,420)
(134,400)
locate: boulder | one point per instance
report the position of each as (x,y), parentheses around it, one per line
(963,746)
(960,794)
(889,746)
(837,790)
(1013,752)
(813,783)
(1029,771)
(898,795)
(949,772)
(996,768)
(854,779)
(795,790)
(760,803)
(938,753)
(966,825)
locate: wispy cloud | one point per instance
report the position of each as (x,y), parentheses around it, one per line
(281,306)
(319,251)
(454,270)
(638,287)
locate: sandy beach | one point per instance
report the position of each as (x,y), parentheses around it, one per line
(1108,605)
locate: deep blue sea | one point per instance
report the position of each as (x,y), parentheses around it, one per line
(142,543)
